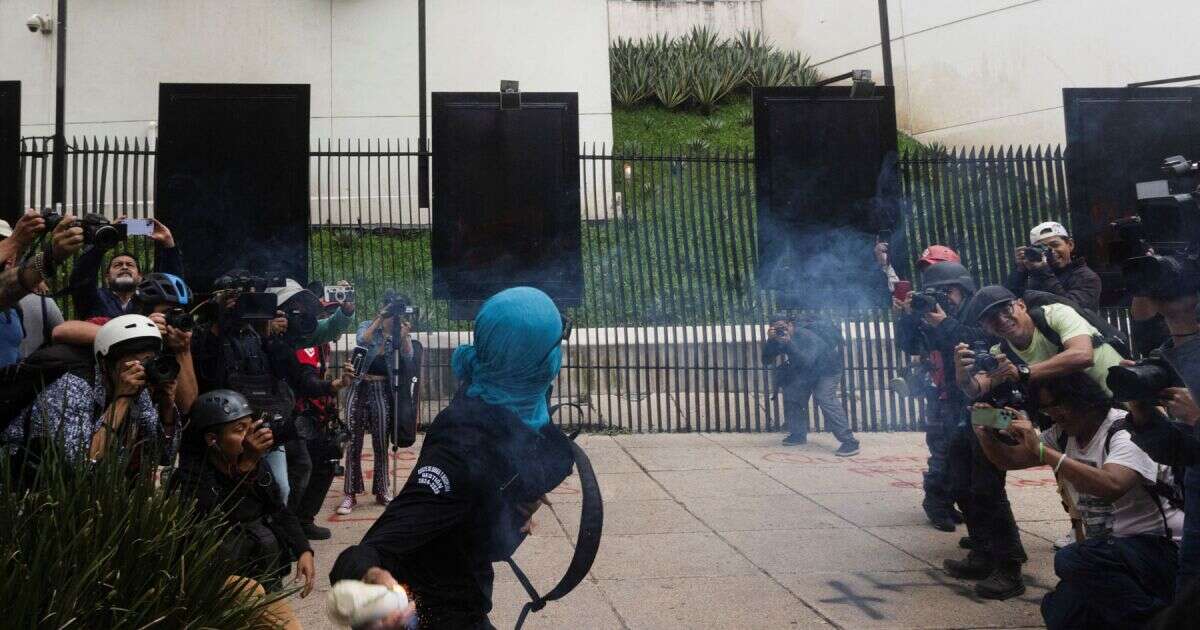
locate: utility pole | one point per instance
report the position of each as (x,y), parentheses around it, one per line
(885,41)
(423,139)
(58,187)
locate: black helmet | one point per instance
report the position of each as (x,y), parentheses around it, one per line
(946,274)
(163,288)
(220,406)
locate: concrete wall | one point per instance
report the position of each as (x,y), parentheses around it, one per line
(991,71)
(636,19)
(360,56)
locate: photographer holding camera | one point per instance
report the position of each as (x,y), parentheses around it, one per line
(247,348)
(1048,265)
(55,244)
(928,324)
(122,275)
(1123,572)
(219,469)
(115,403)
(811,368)
(36,314)
(370,401)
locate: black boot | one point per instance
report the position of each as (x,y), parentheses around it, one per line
(1003,583)
(977,566)
(315,532)
(966,542)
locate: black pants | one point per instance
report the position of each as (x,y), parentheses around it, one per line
(978,487)
(306,500)
(1111,583)
(940,423)
(299,471)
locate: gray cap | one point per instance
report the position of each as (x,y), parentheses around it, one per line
(986,299)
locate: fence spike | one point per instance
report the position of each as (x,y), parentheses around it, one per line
(971,157)
(1058,151)
(1038,155)
(991,154)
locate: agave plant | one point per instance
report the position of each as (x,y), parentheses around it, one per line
(701,41)
(775,70)
(710,82)
(712,126)
(87,547)
(672,80)
(696,146)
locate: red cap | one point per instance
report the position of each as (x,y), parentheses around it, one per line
(937,254)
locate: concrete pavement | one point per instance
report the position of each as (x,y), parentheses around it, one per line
(735,530)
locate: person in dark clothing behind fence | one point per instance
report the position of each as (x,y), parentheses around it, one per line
(933,334)
(1048,265)
(121,277)
(810,356)
(486,464)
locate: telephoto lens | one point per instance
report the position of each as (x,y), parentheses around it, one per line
(1140,381)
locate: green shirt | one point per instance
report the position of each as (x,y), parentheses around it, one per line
(1068,324)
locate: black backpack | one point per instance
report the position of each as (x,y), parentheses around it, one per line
(21,382)
(1106,332)
(1161,490)
(246,369)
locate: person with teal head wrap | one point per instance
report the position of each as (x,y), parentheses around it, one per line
(486,460)
(516,355)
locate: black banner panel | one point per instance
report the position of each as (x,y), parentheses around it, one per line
(11,190)
(1116,138)
(506,202)
(827,189)
(232,177)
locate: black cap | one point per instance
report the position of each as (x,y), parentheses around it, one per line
(986,299)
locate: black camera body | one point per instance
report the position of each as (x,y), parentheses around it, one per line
(252,302)
(163,368)
(1160,247)
(180,319)
(98,231)
(397,305)
(1037,253)
(985,361)
(301,323)
(928,300)
(1142,380)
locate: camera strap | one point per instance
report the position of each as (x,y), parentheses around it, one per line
(587,543)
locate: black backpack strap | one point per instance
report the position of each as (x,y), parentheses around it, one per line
(1158,493)
(591,526)
(1038,315)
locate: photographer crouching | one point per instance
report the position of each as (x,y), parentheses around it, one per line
(810,366)
(453,518)
(1123,571)
(928,325)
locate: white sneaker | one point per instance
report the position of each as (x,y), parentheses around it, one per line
(1064,541)
(348,503)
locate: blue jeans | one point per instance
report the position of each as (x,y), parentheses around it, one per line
(276,461)
(1111,582)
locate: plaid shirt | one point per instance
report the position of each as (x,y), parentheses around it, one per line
(73,408)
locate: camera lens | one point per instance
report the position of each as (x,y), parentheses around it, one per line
(180,319)
(1141,381)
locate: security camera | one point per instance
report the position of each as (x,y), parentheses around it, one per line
(39,24)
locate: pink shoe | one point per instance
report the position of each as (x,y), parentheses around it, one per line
(347,505)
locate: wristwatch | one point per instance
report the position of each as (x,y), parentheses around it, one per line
(1023,373)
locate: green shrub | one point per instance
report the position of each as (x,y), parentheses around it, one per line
(87,547)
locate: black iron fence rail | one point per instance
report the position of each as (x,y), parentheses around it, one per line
(670,330)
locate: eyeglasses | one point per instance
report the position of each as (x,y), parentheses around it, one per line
(992,317)
(566,334)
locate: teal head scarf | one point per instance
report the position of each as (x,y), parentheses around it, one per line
(511,363)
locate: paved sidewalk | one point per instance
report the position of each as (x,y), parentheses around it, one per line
(737,531)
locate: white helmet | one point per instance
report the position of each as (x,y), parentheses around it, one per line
(289,290)
(126,328)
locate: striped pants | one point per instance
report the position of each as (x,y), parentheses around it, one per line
(369,410)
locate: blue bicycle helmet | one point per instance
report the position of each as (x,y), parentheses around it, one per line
(163,288)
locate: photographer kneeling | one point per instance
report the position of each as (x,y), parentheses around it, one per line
(486,464)
(1123,572)
(220,469)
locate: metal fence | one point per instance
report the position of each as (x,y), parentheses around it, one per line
(669,333)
